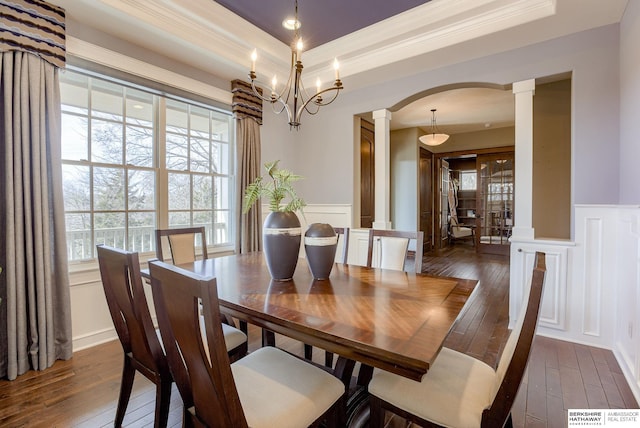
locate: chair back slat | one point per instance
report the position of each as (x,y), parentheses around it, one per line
(199,363)
(126,299)
(344,232)
(182,243)
(515,355)
(393,246)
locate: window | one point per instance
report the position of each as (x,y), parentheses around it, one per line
(468,180)
(115,190)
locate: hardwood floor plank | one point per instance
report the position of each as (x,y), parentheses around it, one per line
(573,392)
(554,387)
(536,386)
(596,397)
(556,414)
(587,366)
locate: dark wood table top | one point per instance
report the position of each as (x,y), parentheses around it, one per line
(393,320)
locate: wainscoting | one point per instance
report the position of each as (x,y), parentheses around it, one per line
(593,283)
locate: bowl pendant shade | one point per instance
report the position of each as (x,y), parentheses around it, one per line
(433,139)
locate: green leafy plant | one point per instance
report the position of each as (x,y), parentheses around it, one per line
(279,188)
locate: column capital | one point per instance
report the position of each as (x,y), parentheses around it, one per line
(382,114)
(524,86)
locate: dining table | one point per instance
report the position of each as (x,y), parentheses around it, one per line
(392,320)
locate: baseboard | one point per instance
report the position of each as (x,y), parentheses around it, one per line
(93,339)
(628,374)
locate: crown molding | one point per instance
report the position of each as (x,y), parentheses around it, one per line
(109,58)
(432,26)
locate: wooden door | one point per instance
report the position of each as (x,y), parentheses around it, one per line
(426,198)
(367,174)
(495,202)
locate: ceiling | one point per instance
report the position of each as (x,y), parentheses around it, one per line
(322,21)
(373,40)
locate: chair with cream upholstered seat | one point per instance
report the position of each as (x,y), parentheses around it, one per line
(124,291)
(459,390)
(460,232)
(388,249)
(267,388)
(183,244)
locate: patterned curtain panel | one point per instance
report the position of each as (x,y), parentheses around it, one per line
(245,102)
(33,26)
(247,108)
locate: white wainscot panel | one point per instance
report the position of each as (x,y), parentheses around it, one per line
(553,308)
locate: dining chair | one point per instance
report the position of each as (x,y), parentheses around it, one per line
(391,248)
(344,232)
(459,390)
(123,289)
(459,232)
(183,244)
(267,388)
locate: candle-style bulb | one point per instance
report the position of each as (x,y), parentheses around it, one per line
(274,84)
(299,46)
(318,84)
(336,67)
(254,57)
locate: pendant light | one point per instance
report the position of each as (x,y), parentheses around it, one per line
(433,138)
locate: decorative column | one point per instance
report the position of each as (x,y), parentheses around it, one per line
(382,136)
(523,226)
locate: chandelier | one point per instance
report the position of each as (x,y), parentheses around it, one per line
(433,138)
(292,97)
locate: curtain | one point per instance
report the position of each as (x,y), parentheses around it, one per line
(37,303)
(247,108)
(35,310)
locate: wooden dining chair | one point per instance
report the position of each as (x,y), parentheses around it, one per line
(182,243)
(183,246)
(391,249)
(123,289)
(458,390)
(267,388)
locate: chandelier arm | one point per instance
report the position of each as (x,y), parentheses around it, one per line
(335,90)
(318,102)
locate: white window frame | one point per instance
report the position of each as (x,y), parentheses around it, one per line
(161,214)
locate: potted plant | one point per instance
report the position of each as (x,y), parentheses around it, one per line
(281,231)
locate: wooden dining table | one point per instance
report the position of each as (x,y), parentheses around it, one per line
(392,320)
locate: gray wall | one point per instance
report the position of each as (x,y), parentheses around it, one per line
(326,140)
(405,156)
(629,105)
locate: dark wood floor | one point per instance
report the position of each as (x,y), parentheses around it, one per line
(83,392)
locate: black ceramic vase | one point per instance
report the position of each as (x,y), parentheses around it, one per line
(281,236)
(320,242)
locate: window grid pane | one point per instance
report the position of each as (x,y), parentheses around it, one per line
(109,151)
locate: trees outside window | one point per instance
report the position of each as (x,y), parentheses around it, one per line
(117,191)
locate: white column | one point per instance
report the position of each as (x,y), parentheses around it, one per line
(382,119)
(523,226)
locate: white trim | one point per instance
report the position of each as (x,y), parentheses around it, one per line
(99,55)
(95,338)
